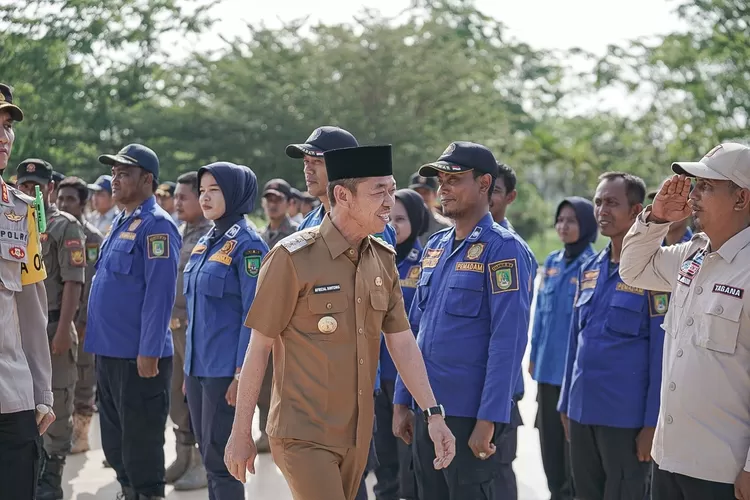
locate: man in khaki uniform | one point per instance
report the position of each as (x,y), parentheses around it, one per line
(72,194)
(701,448)
(65,260)
(187,471)
(25,367)
(323,297)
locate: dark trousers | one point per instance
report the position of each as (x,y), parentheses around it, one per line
(554,445)
(395,471)
(133,414)
(20,455)
(605,464)
(670,486)
(467,477)
(212,419)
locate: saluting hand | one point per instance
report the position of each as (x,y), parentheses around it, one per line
(671,203)
(444,441)
(148,367)
(239,456)
(480,440)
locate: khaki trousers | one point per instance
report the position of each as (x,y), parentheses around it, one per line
(178,409)
(317,472)
(59,436)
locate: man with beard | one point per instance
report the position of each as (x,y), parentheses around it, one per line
(472,308)
(609,399)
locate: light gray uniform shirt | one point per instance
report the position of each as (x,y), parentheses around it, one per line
(704,421)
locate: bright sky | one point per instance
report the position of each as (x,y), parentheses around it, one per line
(591,25)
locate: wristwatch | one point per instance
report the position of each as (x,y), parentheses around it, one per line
(435,410)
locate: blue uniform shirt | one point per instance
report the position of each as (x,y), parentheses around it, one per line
(472,312)
(220,280)
(133,290)
(554,308)
(315,218)
(613,365)
(408,272)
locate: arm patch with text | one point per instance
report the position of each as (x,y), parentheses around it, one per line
(504,276)
(158,246)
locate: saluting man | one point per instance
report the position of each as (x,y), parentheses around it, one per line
(65,260)
(472,308)
(25,367)
(72,194)
(323,297)
(701,448)
(128,327)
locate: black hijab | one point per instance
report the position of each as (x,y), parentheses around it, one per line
(587,228)
(240,188)
(419,217)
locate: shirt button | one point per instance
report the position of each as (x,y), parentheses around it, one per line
(718,309)
(351,252)
(359,300)
(329,305)
(360,331)
(679,353)
(669,417)
(360,392)
(361,361)
(699,290)
(672,386)
(690,322)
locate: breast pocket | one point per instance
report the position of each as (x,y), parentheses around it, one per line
(376,313)
(327,318)
(625,313)
(722,324)
(122,256)
(465,293)
(212,280)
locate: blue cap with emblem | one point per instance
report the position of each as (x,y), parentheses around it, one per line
(103,183)
(136,155)
(321,140)
(462,156)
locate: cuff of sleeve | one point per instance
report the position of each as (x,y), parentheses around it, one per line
(402,398)
(493,417)
(649,226)
(46,398)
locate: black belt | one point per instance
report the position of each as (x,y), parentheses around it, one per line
(53,316)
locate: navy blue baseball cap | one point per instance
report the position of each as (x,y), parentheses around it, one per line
(321,140)
(103,183)
(136,155)
(6,103)
(462,156)
(34,170)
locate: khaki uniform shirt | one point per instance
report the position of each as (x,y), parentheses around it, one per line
(704,421)
(286,228)
(64,254)
(94,240)
(103,222)
(25,364)
(190,233)
(326,303)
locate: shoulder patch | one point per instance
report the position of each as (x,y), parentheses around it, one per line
(504,276)
(297,241)
(158,246)
(658,303)
(382,243)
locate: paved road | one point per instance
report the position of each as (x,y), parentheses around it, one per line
(86,479)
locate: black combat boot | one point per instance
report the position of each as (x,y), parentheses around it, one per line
(50,483)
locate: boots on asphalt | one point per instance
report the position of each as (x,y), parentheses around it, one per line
(50,483)
(195,476)
(81,425)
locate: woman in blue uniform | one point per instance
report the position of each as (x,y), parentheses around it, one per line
(220,280)
(410,218)
(576,227)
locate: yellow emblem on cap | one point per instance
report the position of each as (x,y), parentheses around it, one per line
(327,324)
(2,97)
(378,281)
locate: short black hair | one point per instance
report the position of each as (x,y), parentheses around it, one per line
(635,186)
(78,184)
(508,176)
(350,184)
(191,179)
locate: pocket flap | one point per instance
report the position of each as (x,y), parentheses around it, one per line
(379,301)
(327,303)
(725,307)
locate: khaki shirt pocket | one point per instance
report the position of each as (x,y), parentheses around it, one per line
(327,316)
(722,324)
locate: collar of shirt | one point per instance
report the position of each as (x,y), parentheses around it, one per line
(733,245)
(203,225)
(286,225)
(146,206)
(484,225)
(51,210)
(334,240)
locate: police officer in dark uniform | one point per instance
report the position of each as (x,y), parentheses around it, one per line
(472,308)
(65,260)
(72,194)
(130,307)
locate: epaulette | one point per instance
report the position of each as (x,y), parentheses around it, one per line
(506,234)
(382,243)
(299,240)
